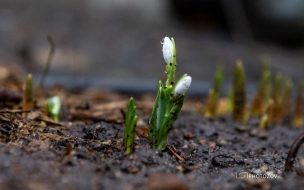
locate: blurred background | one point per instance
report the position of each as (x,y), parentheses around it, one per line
(115,44)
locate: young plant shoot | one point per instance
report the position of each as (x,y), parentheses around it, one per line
(286,101)
(230,100)
(239,93)
(214,94)
(54,106)
(259,104)
(169,99)
(263,121)
(275,109)
(129,133)
(298,120)
(28,95)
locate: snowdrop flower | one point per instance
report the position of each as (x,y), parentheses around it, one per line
(182,86)
(167,49)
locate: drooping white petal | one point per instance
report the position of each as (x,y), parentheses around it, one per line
(182,86)
(167,49)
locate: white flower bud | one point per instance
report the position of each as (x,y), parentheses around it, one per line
(182,86)
(167,49)
(54,105)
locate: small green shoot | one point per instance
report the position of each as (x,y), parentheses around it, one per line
(169,99)
(239,93)
(129,133)
(211,105)
(54,106)
(214,94)
(28,95)
(259,103)
(275,116)
(286,101)
(230,100)
(263,121)
(270,113)
(277,88)
(298,120)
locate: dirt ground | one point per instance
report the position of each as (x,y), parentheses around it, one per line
(85,151)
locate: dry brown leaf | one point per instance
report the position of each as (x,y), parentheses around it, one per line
(141,132)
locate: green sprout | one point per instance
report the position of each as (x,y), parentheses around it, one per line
(263,121)
(298,120)
(239,93)
(277,93)
(259,103)
(54,106)
(270,112)
(230,100)
(129,133)
(169,99)
(211,104)
(28,95)
(286,101)
(275,116)
(214,94)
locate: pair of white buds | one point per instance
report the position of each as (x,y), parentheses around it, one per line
(184,83)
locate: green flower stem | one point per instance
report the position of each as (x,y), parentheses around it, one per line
(129,133)
(172,66)
(169,119)
(165,111)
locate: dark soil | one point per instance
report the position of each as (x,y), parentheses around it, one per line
(85,151)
